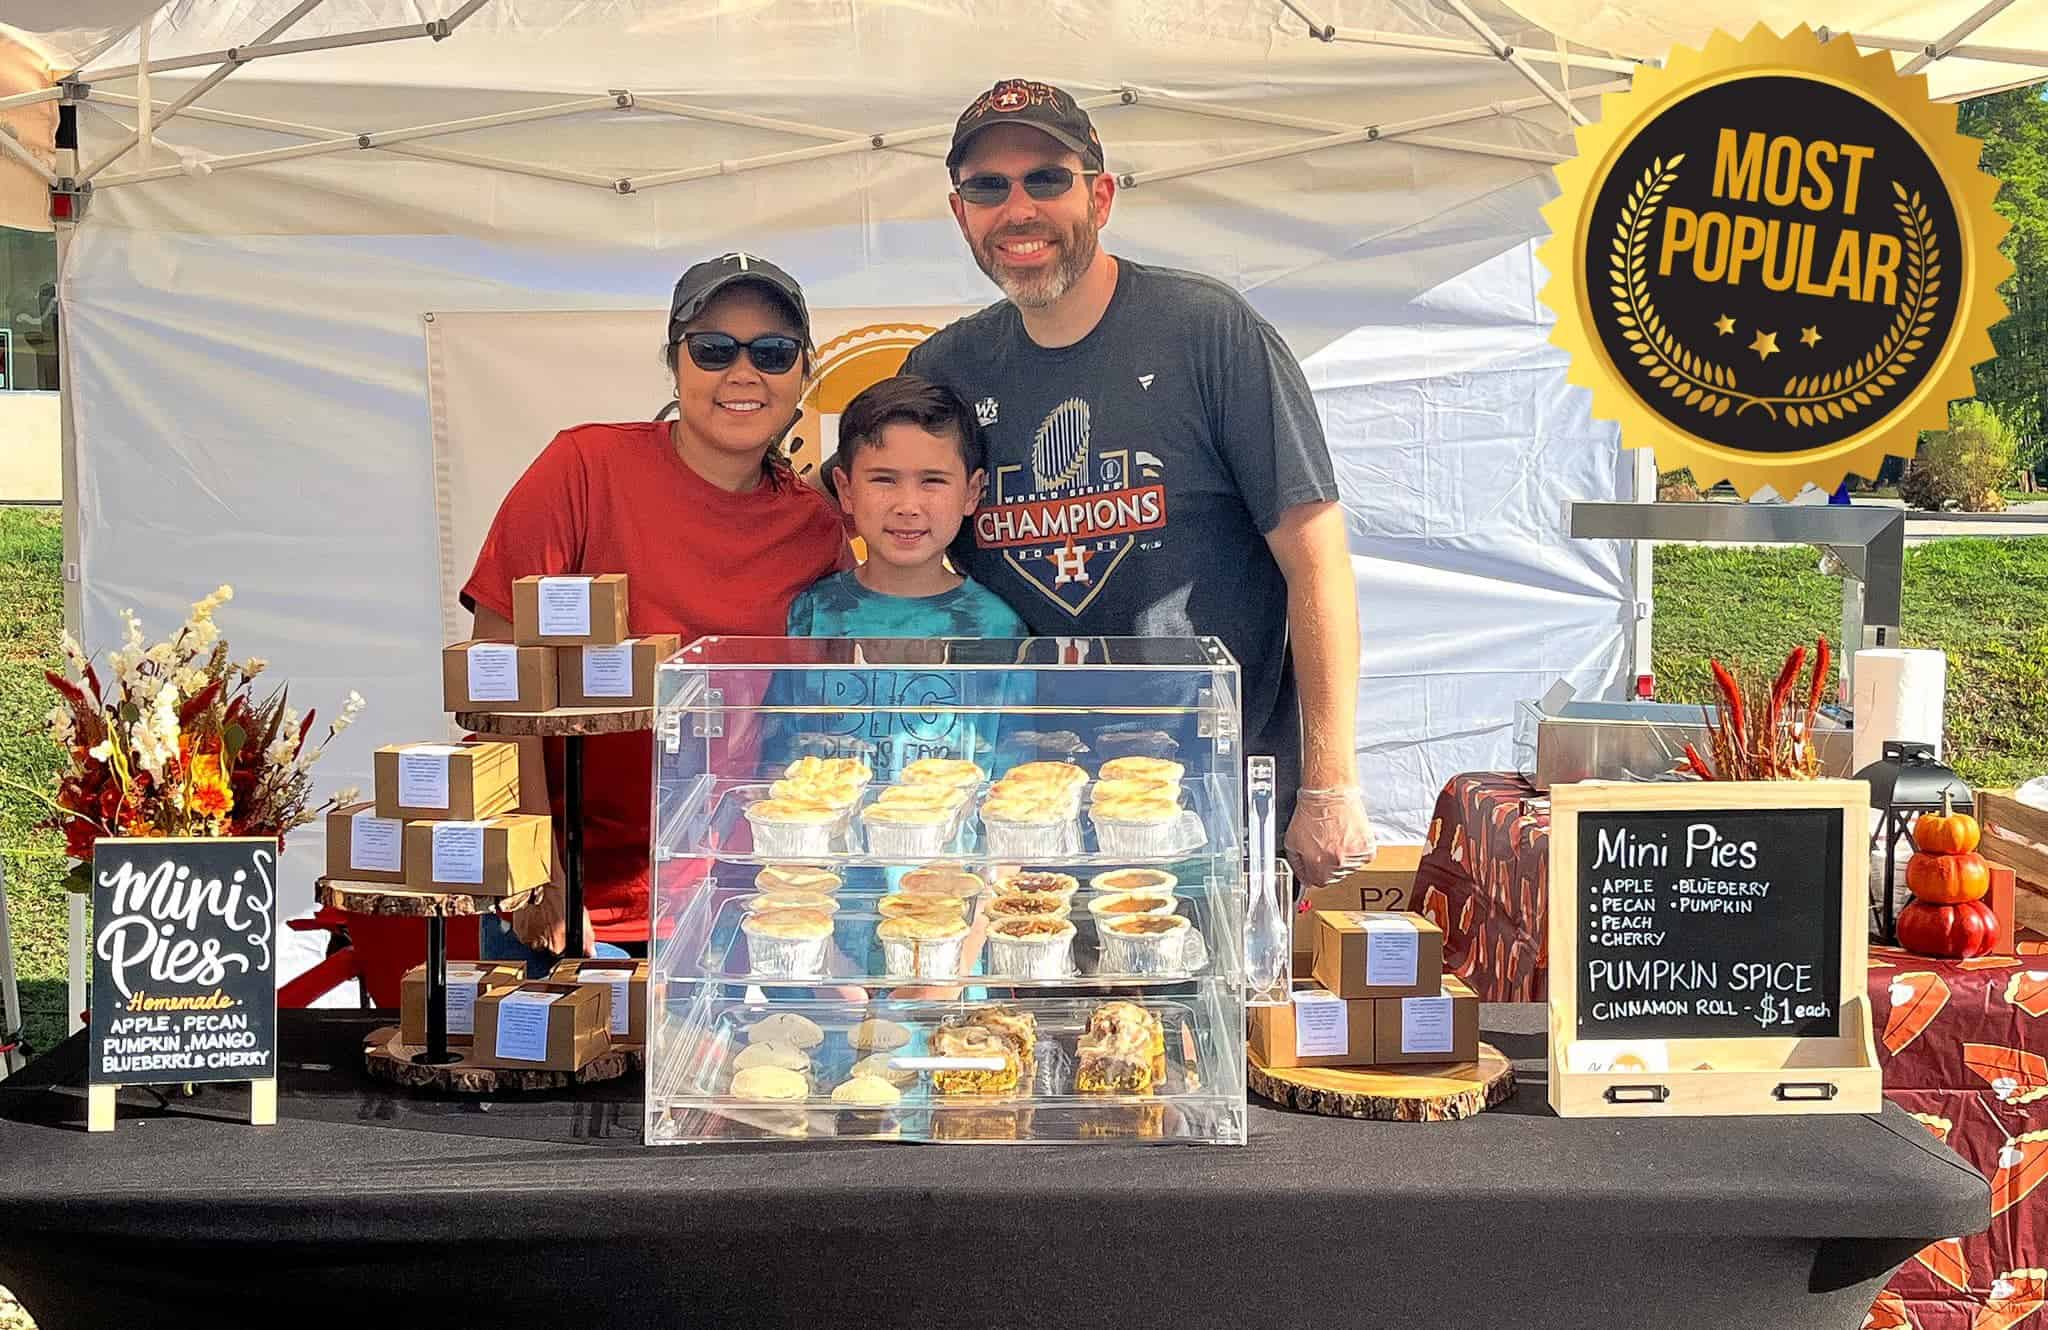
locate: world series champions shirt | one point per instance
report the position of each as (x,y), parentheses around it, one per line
(1133,475)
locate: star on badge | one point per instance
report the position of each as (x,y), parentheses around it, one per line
(1809,335)
(1724,325)
(1765,345)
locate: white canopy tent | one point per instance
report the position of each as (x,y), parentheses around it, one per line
(272,194)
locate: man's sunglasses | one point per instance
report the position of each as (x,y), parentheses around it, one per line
(1047,182)
(772,353)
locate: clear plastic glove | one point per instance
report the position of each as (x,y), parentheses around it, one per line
(1331,833)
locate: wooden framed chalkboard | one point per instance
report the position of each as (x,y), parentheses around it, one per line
(1707,951)
(184,968)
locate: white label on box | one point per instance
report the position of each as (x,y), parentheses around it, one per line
(621,982)
(423,775)
(564,607)
(1426,1025)
(374,843)
(463,983)
(493,672)
(608,671)
(1321,1027)
(523,1025)
(459,852)
(1392,949)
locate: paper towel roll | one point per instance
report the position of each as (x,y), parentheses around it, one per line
(1898,695)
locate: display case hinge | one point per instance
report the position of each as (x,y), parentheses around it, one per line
(709,722)
(1218,722)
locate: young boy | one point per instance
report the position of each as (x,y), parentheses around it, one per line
(909,473)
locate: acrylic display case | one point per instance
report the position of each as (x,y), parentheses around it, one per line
(1038,950)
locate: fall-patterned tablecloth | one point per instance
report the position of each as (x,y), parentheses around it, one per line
(1962,1044)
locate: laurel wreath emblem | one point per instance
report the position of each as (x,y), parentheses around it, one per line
(1809,399)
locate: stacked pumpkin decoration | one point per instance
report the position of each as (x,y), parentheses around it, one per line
(1948,916)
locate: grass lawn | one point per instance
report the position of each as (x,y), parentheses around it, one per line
(1984,602)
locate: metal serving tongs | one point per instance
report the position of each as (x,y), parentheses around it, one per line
(1268,939)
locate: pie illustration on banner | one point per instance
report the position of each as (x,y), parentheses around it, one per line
(1774,261)
(1917,998)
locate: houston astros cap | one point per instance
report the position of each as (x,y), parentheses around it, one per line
(1024,102)
(705,280)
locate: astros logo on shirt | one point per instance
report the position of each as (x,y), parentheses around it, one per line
(1068,519)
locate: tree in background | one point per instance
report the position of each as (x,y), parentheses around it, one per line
(2014,127)
(1963,465)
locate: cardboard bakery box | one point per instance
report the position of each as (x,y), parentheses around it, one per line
(1378,954)
(577,611)
(1316,1029)
(1387,883)
(627,981)
(362,847)
(542,1026)
(457,781)
(618,676)
(1336,896)
(497,676)
(1443,1028)
(498,856)
(467,981)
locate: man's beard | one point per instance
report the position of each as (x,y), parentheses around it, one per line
(1039,287)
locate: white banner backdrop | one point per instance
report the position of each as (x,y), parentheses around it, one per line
(492,373)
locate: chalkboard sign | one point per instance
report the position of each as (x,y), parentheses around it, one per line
(184,962)
(1709,923)
(1706,947)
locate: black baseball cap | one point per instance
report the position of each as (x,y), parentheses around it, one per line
(695,288)
(1025,102)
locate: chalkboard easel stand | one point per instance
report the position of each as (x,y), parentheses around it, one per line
(99,1104)
(572,725)
(1647,1073)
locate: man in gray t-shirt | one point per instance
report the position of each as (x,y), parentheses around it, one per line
(1156,467)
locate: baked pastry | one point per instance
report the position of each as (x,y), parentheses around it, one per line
(1130,787)
(1038,884)
(1123,904)
(1146,944)
(877,1064)
(1141,768)
(1129,1015)
(794,827)
(1112,1062)
(787,944)
(951,1040)
(946,797)
(830,769)
(1033,823)
(777,878)
(1063,775)
(923,946)
(786,1027)
(878,1036)
(941,881)
(868,1105)
(943,771)
(770,1084)
(907,830)
(896,905)
(789,900)
(840,794)
(1029,906)
(1134,879)
(786,1056)
(1031,948)
(1142,826)
(1017,1026)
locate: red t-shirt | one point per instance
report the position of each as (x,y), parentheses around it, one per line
(698,559)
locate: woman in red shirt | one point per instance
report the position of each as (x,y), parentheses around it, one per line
(714,531)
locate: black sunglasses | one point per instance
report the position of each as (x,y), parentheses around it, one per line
(771,353)
(1047,182)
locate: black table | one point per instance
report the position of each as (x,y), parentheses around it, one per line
(371,1208)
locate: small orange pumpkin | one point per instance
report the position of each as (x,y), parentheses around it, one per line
(1946,832)
(1948,879)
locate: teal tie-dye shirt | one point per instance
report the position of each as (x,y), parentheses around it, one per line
(839,606)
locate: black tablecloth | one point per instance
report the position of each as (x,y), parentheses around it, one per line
(364,1203)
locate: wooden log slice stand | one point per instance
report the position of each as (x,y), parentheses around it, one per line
(437,908)
(572,725)
(1435,1092)
(389,1059)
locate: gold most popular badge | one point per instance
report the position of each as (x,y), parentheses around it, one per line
(1774,261)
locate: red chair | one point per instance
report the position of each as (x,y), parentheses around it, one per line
(373,949)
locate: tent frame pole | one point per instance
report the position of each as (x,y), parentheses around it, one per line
(1949,40)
